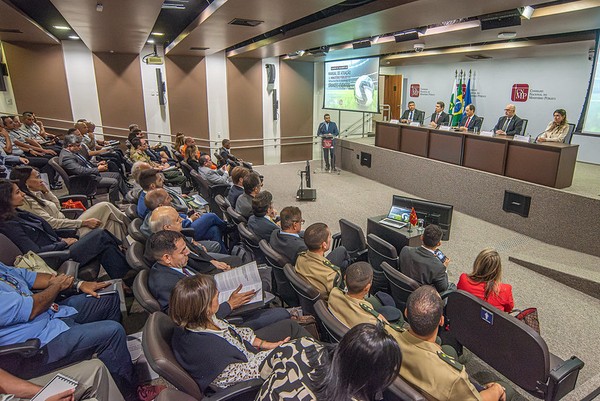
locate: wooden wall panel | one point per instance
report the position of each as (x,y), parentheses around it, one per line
(296,104)
(244,97)
(39,81)
(187,99)
(119,82)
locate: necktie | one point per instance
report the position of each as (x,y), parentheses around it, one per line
(437,117)
(410,116)
(468,121)
(85,162)
(187,272)
(505,126)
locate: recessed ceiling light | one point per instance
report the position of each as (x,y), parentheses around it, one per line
(62,28)
(507,35)
(157,34)
(151,41)
(74,37)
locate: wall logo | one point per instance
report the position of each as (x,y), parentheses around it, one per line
(519,93)
(415,90)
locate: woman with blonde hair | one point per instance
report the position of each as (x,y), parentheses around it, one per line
(191,157)
(179,141)
(485,281)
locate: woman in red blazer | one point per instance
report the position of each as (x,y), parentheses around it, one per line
(484,281)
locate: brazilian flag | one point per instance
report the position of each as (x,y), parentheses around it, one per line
(458,109)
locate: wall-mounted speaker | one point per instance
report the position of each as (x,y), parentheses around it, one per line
(365,159)
(516,203)
(270,73)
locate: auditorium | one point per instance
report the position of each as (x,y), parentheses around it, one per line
(299,200)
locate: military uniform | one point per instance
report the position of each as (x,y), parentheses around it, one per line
(319,272)
(437,375)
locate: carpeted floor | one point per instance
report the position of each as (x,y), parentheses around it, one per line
(568,317)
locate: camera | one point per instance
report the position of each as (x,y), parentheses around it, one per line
(419,47)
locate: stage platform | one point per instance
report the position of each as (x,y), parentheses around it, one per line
(569,218)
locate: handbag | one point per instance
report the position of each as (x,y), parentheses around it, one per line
(530,317)
(73,205)
(32,261)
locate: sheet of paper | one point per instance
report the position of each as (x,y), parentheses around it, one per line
(247,275)
(55,386)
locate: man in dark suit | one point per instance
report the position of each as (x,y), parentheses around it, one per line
(75,164)
(412,114)
(439,116)
(288,241)
(421,263)
(470,122)
(510,124)
(252,186)
(328,130)
(237,179)
(261,222)
(169,250)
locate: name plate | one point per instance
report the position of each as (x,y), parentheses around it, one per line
(487,133)
(415,124)
(445,128)
(394,121)
(522,138)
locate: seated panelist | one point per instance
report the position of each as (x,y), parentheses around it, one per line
(439,116)
(510,124)
(412,114)
(470,122)
(557,129)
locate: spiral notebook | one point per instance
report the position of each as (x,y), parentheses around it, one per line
(55,386)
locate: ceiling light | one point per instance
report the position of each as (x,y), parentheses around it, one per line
(451,28)
(157,34)
(507,35)
(74,37)
(99,7)
(62,28)
(301,53)
(406,36)
(362,44)
(151,41)
(527,12)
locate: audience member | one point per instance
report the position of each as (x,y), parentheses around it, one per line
(421,263)
(43,203)
(188,141)
(436,374)
(191,158)
(70,330)
(170,252)
(214,177)
(289,241)
(93,383)
(138,153)
(322,272)
(32,233)
(510,124)
(252,186)
(237,178)
(213,351)
(557,129)
(484,281)
(152,180)
(439,116)
(226,155)
(341,373)
(75,164)
(354,306)
(179,142)
(263,215)
(167,218)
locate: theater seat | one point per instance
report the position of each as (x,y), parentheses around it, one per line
(223,203)
(135,257)
(282,285)
(333,327)
(381,251)
(353,239)
(511,347)
(134,230)
(401,286)
(235,216)
(156,343)
(251,240)
(78,184)
(208,191)
(307,293)
(142,293)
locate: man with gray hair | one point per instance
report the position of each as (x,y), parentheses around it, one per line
(75,164)
(214,177)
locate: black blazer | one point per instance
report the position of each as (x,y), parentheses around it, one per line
(443,120)
(234,193)
(289,246)
(514,126)
(474,123)
(418,115)
(31,233)
(262,227)
(424,267)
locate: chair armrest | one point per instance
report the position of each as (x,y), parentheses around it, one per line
(563,378)
(55,258)
(231,393)
(72,214)
(444,294)
(69,267)
(67,232)
(81,198)
(566,368)
(188,232)
(26,349)
(336,240)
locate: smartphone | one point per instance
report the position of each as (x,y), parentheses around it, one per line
(440,255)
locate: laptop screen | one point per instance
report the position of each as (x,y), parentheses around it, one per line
(399,214)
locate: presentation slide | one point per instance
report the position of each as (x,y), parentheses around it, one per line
(352,85)
(591,125)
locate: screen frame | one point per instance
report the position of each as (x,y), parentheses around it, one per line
(349,59)
(429,207)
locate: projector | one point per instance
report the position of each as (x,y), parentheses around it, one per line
(154,60)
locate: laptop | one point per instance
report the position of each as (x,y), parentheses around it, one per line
(397,217)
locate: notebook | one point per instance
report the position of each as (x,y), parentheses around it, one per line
(55,386)
(397,217)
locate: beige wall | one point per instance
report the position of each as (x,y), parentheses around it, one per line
(296,93)
(244,96)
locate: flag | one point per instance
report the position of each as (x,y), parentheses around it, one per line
(467,94)
(452,95)
(457,111)
(413,220)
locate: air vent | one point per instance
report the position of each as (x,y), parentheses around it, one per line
(10,30)
(199,48)
(245,22)
(478,57)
